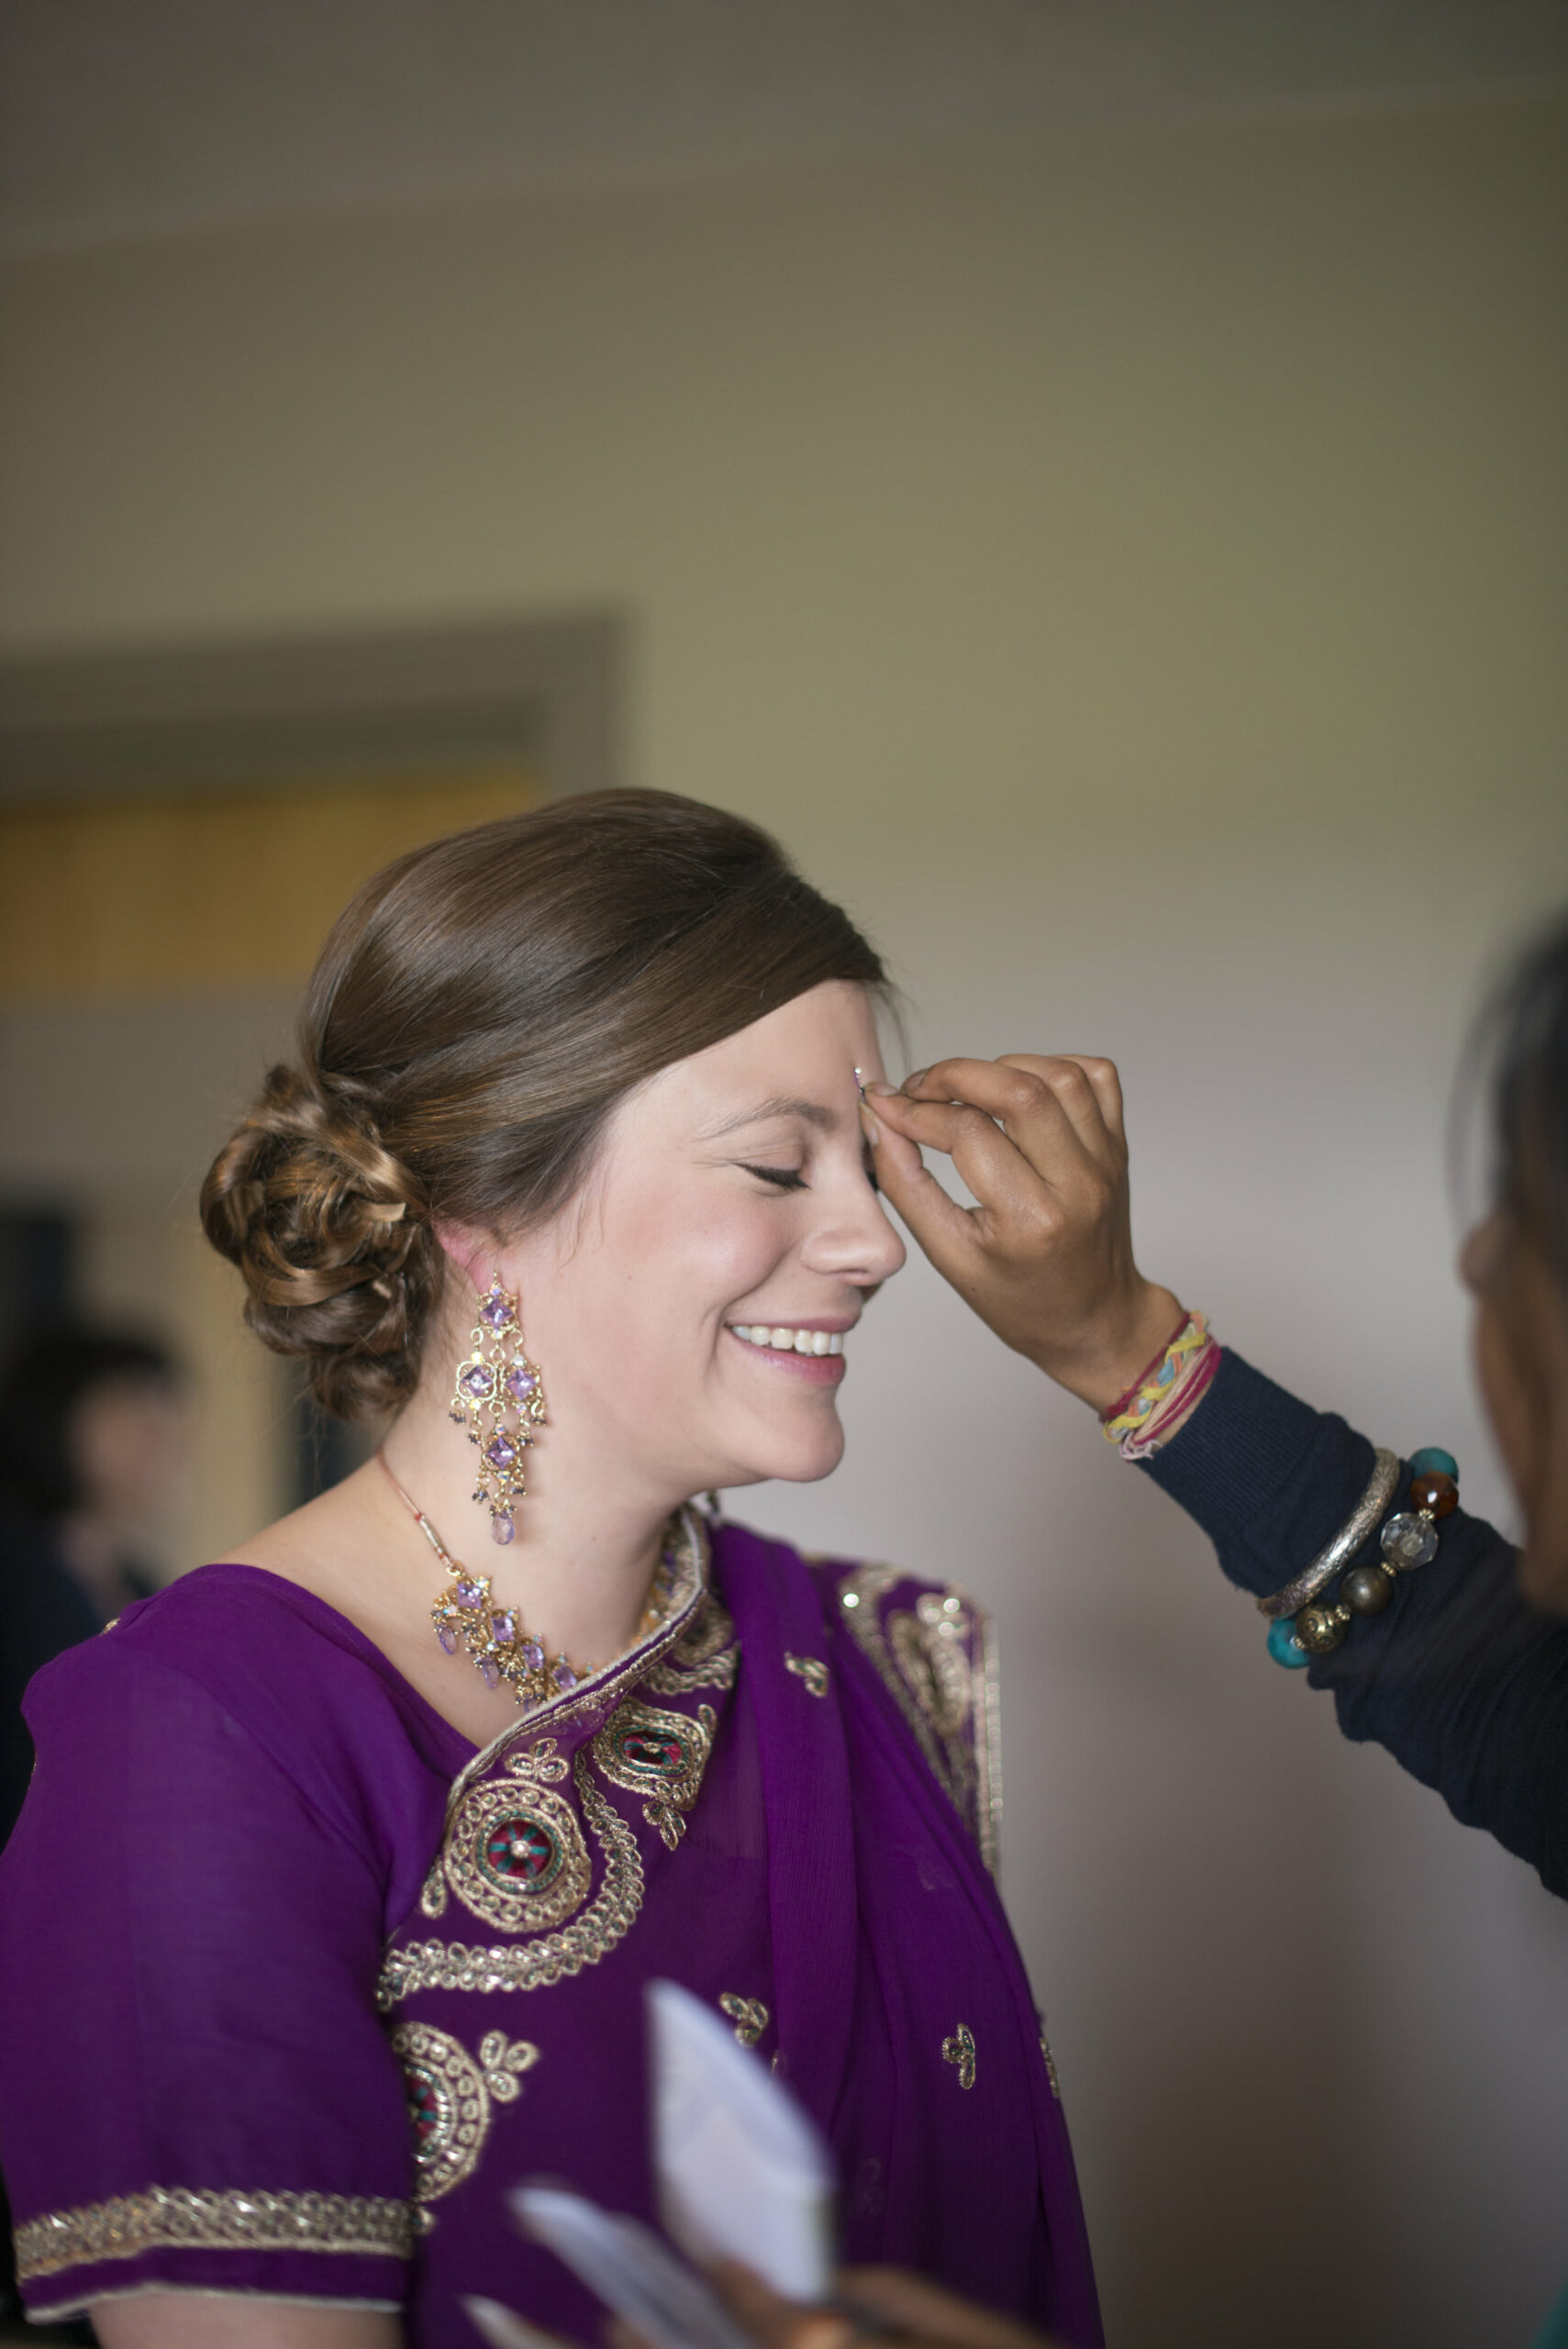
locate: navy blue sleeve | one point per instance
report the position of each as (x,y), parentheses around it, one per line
(1465,1683)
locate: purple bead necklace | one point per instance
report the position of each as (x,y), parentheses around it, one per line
(465,1614)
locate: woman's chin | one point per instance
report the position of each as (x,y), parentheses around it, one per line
(804,1463)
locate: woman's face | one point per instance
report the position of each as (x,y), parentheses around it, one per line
(1521,1363)
(733,1193)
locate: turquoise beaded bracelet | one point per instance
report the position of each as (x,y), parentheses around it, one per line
(1408,1540)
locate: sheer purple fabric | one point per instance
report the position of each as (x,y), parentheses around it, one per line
(294,1985)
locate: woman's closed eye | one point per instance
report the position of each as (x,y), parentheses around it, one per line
(782,1178)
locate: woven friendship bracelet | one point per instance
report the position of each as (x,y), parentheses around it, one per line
(1130,1420)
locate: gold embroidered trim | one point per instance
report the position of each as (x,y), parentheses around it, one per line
(811,1669)
(180,2218)
(548,1957)
(449,2098)
(960,2050)
(1050,2067)
(595,1694)
(659,1754)
(705,1657)
(939,1663)
(749,2016)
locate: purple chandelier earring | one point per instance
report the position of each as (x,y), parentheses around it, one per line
(497,1384)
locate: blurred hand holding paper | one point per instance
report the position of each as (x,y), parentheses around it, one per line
(743,2172)
(629,2269)
(742,2175)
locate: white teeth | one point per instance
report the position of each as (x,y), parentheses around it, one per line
(790,1341)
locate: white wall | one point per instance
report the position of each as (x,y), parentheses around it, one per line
(1129,570)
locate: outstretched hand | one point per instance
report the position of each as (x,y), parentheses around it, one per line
(1045,1255)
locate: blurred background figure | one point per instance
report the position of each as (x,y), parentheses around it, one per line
(93,1467)
(94,1459)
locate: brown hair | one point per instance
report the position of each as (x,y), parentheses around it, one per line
(475,1015)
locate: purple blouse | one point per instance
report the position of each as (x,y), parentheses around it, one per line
(295,1983)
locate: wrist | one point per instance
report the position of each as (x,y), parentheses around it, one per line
(1110,1356)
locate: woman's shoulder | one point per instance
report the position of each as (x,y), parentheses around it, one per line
(928,1644)
(247,1647)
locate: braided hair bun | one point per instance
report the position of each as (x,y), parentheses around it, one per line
(333,1237)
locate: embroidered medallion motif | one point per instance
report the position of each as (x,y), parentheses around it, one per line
(449,2098)
(960,2050)
(811,1669)
(936,1660)
(178,2218)
(749,2016)
(545,1957)
(514,1854)
(659,1754)
(705,1657)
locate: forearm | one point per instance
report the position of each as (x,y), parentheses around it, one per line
(1459,1678)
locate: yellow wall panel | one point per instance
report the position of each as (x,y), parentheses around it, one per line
(171,892)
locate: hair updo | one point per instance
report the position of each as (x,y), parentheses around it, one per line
(475,1016)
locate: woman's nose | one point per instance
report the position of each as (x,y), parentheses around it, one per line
(1478,1253)
(860,1243)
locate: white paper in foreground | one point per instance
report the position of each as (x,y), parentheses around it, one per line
(742,2171)
(629,2269)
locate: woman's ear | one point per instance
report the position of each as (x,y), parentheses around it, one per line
(465,1250)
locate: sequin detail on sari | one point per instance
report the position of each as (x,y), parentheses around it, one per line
(450,2096)
(182,2218)
(661,1755)
(548,1956)
(936,1659)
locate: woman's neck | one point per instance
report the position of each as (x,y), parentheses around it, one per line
(579,1567)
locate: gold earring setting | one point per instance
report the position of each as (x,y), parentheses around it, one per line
(496,1386)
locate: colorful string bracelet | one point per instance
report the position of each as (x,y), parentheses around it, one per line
(1303,1624)
(1165,1392)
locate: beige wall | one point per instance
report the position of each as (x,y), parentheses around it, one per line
(1129,570)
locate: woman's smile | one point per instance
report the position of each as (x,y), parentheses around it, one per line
(813,1350)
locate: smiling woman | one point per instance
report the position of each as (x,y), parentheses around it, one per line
(386,1843)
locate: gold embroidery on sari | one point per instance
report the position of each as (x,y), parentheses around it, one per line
(705,1657)
(659,1754)
(960,2050)
(182,2218)
(811,1669)
(450,2096)
(515,1856)
(547,1957)
(937,1663)
(749,2016)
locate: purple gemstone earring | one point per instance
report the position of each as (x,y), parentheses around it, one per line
(496,1383)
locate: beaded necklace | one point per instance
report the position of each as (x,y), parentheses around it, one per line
(464,1614)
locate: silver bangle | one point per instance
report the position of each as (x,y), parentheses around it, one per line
(1306,1585)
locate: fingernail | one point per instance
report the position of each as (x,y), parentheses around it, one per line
(870,1127)
(882,1092)
(916,1077)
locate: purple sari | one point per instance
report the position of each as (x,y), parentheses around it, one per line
(294,1983)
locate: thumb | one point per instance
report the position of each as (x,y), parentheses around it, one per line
(939,1224)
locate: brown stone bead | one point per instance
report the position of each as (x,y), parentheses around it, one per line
(1434,1491)
(1319,1630)
(1366,1590)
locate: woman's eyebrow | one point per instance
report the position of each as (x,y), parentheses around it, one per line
(782,1105)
